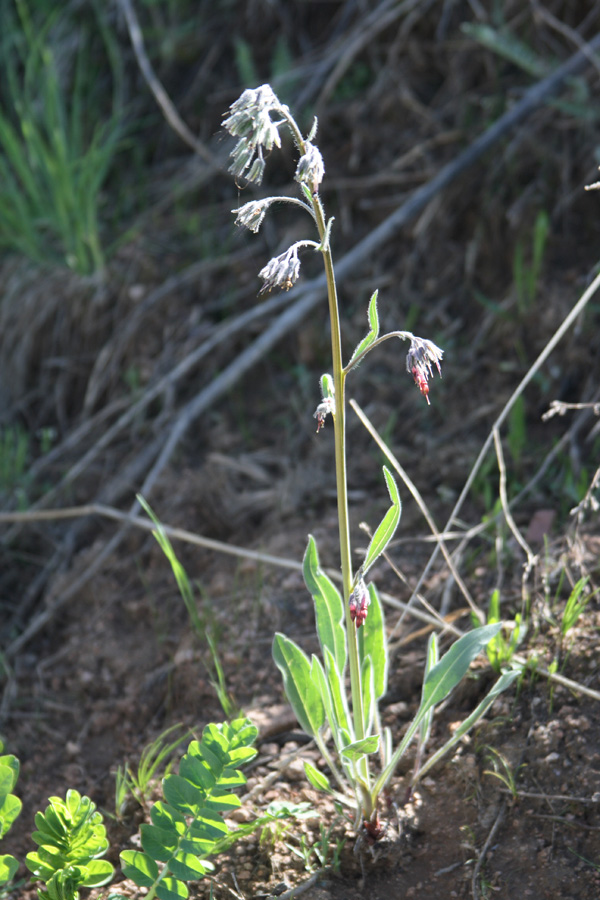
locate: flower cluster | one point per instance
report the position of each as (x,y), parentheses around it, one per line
(421,356)
(282,271)
(250,120)
(359,602)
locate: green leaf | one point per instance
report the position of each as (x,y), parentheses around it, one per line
(171,889)
(208,825)
(373,332)
(358,749)
(317,673)
(372,642)
(503,682)
(182,795)
(329,606)
(8,868)
(159,843)
(302,694)
(96,873)
(319,781)
(187,867)
(167,818)
(8,779)
(387,527)
(368,693)
(140,867)
(454,664)
(338,694)
(10,807)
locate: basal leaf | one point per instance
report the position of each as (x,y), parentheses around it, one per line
(329,606)
(454,664)
(302,694)
(372,642)
(140,867)
(368,693)
(387,527)
(338,693)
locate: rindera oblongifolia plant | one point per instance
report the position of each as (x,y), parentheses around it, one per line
(351,626)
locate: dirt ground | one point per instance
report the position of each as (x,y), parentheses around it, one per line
(111,660)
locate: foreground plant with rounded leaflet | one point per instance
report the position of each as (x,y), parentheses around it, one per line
(350,625)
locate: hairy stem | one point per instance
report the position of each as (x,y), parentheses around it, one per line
(339,424)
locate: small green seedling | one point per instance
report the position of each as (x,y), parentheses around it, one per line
(501,649)
(70,837)
(575,606)
(140,783)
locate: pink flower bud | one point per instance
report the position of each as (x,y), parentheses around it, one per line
(359,603)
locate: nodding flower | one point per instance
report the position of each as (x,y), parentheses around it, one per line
(250,120)
(310,168)
(421,356)
(282,271)
(359,602)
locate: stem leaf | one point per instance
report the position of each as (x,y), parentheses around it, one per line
(358,749)
(303,695)
(373,332)
(387,527)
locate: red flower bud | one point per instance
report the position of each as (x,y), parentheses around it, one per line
(359,603)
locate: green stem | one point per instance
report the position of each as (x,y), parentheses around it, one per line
(339,424)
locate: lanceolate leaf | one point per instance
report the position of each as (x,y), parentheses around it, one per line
(372,642)
(338,694)
(329,607)
(442,678)
(503,682)
(368,693)
(373,332)
(387,528)
(303,695)
(453,665)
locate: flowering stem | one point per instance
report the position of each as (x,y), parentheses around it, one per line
(339,425)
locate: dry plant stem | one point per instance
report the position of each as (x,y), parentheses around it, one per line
(504,500)
(543,356)
(161,96)
(485,848)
